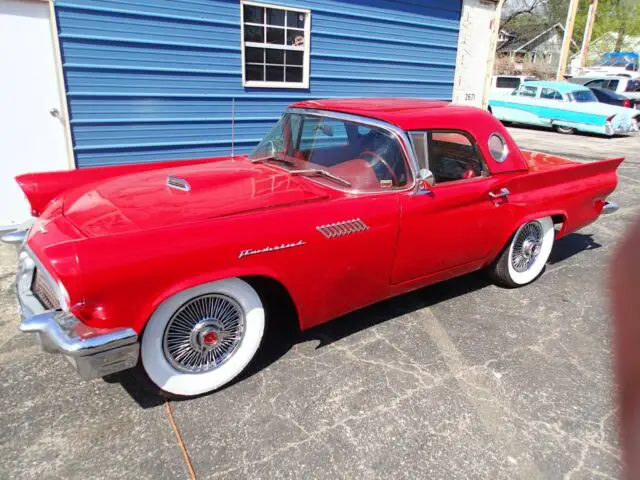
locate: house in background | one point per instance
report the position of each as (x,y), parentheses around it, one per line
(108,82)
(531,47)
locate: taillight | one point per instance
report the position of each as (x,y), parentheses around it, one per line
(626,103)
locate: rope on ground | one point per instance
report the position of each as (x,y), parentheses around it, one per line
(181,444)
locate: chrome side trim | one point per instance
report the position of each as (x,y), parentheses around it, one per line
(178,183)
(340,229)
(15,238)
(610,207)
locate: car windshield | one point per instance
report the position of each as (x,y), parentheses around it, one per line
(583,96)
(334,152)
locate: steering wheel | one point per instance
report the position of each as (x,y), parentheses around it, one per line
(383,162)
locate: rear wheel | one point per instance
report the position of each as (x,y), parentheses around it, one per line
(202,338)
(524,258)
(564,130)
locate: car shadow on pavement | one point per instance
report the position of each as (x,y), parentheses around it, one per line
(571,245)
(279,341)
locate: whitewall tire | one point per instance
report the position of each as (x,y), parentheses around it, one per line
(200,339)
(524,258)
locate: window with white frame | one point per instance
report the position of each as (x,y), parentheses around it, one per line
(275,46)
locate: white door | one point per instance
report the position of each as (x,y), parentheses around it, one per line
(32,130)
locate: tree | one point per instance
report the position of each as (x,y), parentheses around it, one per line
(617,16)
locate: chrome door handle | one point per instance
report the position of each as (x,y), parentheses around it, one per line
(502,193)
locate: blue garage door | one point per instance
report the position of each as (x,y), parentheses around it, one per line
(151,80)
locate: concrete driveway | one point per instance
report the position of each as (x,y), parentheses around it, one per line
(459,380)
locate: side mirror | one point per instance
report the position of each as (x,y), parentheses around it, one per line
(426,176)
(425,181)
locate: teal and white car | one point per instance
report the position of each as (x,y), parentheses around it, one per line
(564,106)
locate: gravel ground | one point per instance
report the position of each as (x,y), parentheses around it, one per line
(458,380)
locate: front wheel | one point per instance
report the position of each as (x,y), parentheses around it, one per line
(200,339)
(564,130)
(524,258)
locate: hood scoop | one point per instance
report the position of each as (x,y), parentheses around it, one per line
(178,183)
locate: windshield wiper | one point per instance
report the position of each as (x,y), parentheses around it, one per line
(321,173)
(274,159)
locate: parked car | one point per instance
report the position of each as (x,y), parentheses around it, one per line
(505,84)
(566,107)
(177,268)
(622,85)
(615,63)
(613,98)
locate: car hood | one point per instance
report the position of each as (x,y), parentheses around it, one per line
(143,200)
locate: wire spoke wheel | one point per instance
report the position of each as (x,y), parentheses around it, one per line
(527,246)
(204,333)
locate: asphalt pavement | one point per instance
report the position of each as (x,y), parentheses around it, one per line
(459,380)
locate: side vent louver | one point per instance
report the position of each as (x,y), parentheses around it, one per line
(178,183)
(340,229)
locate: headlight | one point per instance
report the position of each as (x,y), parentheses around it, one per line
(24,274)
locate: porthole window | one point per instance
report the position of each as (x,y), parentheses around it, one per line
(498,148)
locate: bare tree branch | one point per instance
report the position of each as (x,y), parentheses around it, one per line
(527,7)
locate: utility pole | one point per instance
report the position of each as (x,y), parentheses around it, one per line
(588,31)
(566,41)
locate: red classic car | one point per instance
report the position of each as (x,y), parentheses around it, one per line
(170,267)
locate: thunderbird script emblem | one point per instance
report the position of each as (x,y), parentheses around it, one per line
(252,251)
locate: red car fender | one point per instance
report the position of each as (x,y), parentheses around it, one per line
(522,220)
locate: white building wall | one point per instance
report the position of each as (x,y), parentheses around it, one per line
(479,28)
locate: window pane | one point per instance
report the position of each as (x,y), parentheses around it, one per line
(453,157)
(497,148)
(295,19)
(295,37)
(294,74)
(275,56)
(550,94)
(275,36)
(275,17)
(253,14)
(253,34)
(254,72)
(294,58)
(419,141)
(254,55)
(507,82)
(528,91)
(275,74)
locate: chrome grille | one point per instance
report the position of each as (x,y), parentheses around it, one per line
(44,292)
(340,229)
(178,183)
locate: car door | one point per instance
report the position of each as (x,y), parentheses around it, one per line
(457,223)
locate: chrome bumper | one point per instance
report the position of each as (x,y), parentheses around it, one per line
(94,352)
(14,238)
(609,207)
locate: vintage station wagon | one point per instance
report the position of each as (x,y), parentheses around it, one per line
(564,106)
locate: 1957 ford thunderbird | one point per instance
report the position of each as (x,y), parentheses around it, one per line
(171,267)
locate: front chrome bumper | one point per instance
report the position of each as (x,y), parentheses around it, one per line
(94,352)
